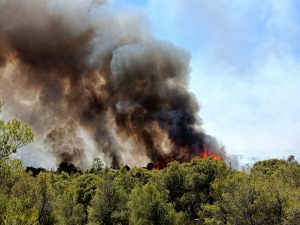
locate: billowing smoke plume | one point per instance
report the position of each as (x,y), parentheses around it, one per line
(73,66)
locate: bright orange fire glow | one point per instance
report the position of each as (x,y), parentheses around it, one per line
(207,153)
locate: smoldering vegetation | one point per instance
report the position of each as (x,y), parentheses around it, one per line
(72,66)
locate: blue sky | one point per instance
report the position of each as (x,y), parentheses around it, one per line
(244,69)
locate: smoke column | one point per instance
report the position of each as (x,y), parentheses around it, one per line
(71,66)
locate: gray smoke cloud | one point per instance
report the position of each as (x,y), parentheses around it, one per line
(71,66)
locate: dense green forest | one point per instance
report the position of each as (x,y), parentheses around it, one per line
(204,191)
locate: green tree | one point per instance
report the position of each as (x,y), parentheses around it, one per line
(243,199)
(21,205)
(45,199)
(174,180)
(14,135)
(67,210)
(106,203)
(97,166)
(126,181)
(149,206)
(268,167)
(292,211)
(141,175)
(189,184)
(3,205)
(10,172)
(287,178)
(289,174)
(85,186)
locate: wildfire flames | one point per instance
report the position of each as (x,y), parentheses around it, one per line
(82,74)
(207,153)
(204,153)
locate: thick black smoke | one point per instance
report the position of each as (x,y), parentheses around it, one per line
(81,66)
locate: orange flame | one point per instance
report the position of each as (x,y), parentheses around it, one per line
(207,153)
(161,163)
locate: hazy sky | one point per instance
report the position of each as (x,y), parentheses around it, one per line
(244,69)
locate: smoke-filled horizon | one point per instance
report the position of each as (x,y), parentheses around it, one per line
(71,67)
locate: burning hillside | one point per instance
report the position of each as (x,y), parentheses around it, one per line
(78,66)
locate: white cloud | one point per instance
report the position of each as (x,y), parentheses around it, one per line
(245,68)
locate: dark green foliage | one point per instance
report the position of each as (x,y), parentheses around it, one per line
(199,192)
(269,195)
(149,206)
(105,203)
(67,168)
(45,198)
(14,135)
(268,167)
(97,166)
